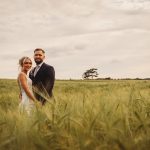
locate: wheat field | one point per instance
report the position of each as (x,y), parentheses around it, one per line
(84,115)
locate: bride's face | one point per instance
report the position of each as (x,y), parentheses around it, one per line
(27,65)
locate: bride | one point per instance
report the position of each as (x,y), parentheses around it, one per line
(25,85)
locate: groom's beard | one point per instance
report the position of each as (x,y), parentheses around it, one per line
(38,61)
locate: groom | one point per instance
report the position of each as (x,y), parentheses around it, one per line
(42,76)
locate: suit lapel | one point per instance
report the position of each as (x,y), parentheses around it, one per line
(40,70)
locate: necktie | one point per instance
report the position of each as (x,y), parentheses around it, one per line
(36,70)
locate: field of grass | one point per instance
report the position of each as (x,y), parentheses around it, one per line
(86,115)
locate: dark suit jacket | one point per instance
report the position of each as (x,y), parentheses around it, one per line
(43,82)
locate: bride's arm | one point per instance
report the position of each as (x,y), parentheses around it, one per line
(23,81)
(20,95)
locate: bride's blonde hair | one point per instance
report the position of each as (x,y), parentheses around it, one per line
(23,59)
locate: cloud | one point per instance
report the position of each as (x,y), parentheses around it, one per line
(77,35)
(8,57)
(128,6)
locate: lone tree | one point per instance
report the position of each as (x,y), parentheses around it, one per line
(91,73)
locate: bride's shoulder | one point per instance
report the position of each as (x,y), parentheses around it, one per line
(22,75)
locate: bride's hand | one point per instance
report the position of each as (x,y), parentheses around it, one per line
(37,103)
(20,97)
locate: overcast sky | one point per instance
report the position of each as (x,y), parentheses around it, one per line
(110,35)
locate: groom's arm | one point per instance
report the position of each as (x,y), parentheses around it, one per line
(49,80)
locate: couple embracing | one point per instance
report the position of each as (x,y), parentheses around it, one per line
(38,85)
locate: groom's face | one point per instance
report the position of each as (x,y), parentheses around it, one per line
(38,57)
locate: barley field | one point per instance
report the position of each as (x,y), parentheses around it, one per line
(84,115)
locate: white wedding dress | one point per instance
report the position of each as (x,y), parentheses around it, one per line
(26,105)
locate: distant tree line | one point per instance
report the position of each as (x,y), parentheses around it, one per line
(93,74)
